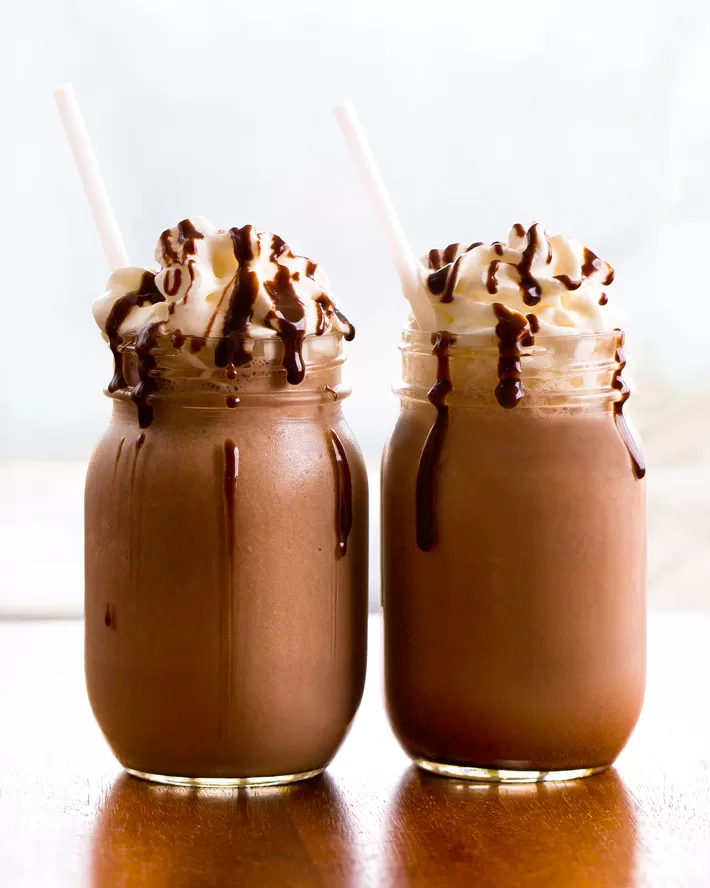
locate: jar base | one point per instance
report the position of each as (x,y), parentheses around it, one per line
(224,782)
(499,775)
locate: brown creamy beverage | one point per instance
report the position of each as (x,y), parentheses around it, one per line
(226,518)
(514,522)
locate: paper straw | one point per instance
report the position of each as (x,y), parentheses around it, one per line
(91,179)
(402,256)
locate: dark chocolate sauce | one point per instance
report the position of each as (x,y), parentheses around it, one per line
(292,339)
(218,308)
(519,229)
(534,323)
(147,383)
(431,452)
(232,401)
(172,280)
(529,287)
(344,494)
(197,343)
(178,339)
(146,293)
(187,231)
(278,245)
(310,269)
(231,348)
(444,267)
(288,319)
(627,437)
(568,282)
(498,247)
(451,281)
(107,618)
(491,279)
(603,299)
(326,308)
(118,456)
(511,329)
(593,263)
(590,264)
(450,253)
(169,254)
(435,260)
(321,318)
(436,281)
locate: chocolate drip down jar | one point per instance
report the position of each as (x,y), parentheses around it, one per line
(226,559)
(514,554)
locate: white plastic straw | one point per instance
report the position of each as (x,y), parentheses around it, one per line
(400,251)
(91,179)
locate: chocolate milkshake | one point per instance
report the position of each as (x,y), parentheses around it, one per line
(514,534)
(226,510)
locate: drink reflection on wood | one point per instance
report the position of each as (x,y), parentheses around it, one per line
(68,819)
(173,836)
(560,835)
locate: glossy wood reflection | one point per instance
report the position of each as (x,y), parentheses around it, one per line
(154,835)
(69,817)
(579,833)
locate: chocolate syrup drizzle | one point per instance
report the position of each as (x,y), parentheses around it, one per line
(287,317)
(146,293)
(491,279)
(627,437)
(118,456)
(431,452)
(344,494)
(444,267)
(147,383)
(529,287)
(231,349)
(591,264)
(514,332)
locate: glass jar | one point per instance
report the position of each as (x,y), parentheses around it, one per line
(226,568)
(514,558)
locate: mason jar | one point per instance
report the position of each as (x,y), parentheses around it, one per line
(226,568)
(513,559)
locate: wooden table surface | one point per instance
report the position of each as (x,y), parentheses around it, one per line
(69,817)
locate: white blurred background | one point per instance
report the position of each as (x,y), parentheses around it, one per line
(592,118)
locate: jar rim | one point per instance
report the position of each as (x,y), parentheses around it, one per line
(166,341)
(485,341)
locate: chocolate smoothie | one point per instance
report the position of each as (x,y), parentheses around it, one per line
(226,510)
(514,546)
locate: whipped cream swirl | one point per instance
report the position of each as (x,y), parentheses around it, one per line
(556,279)
(223,288)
